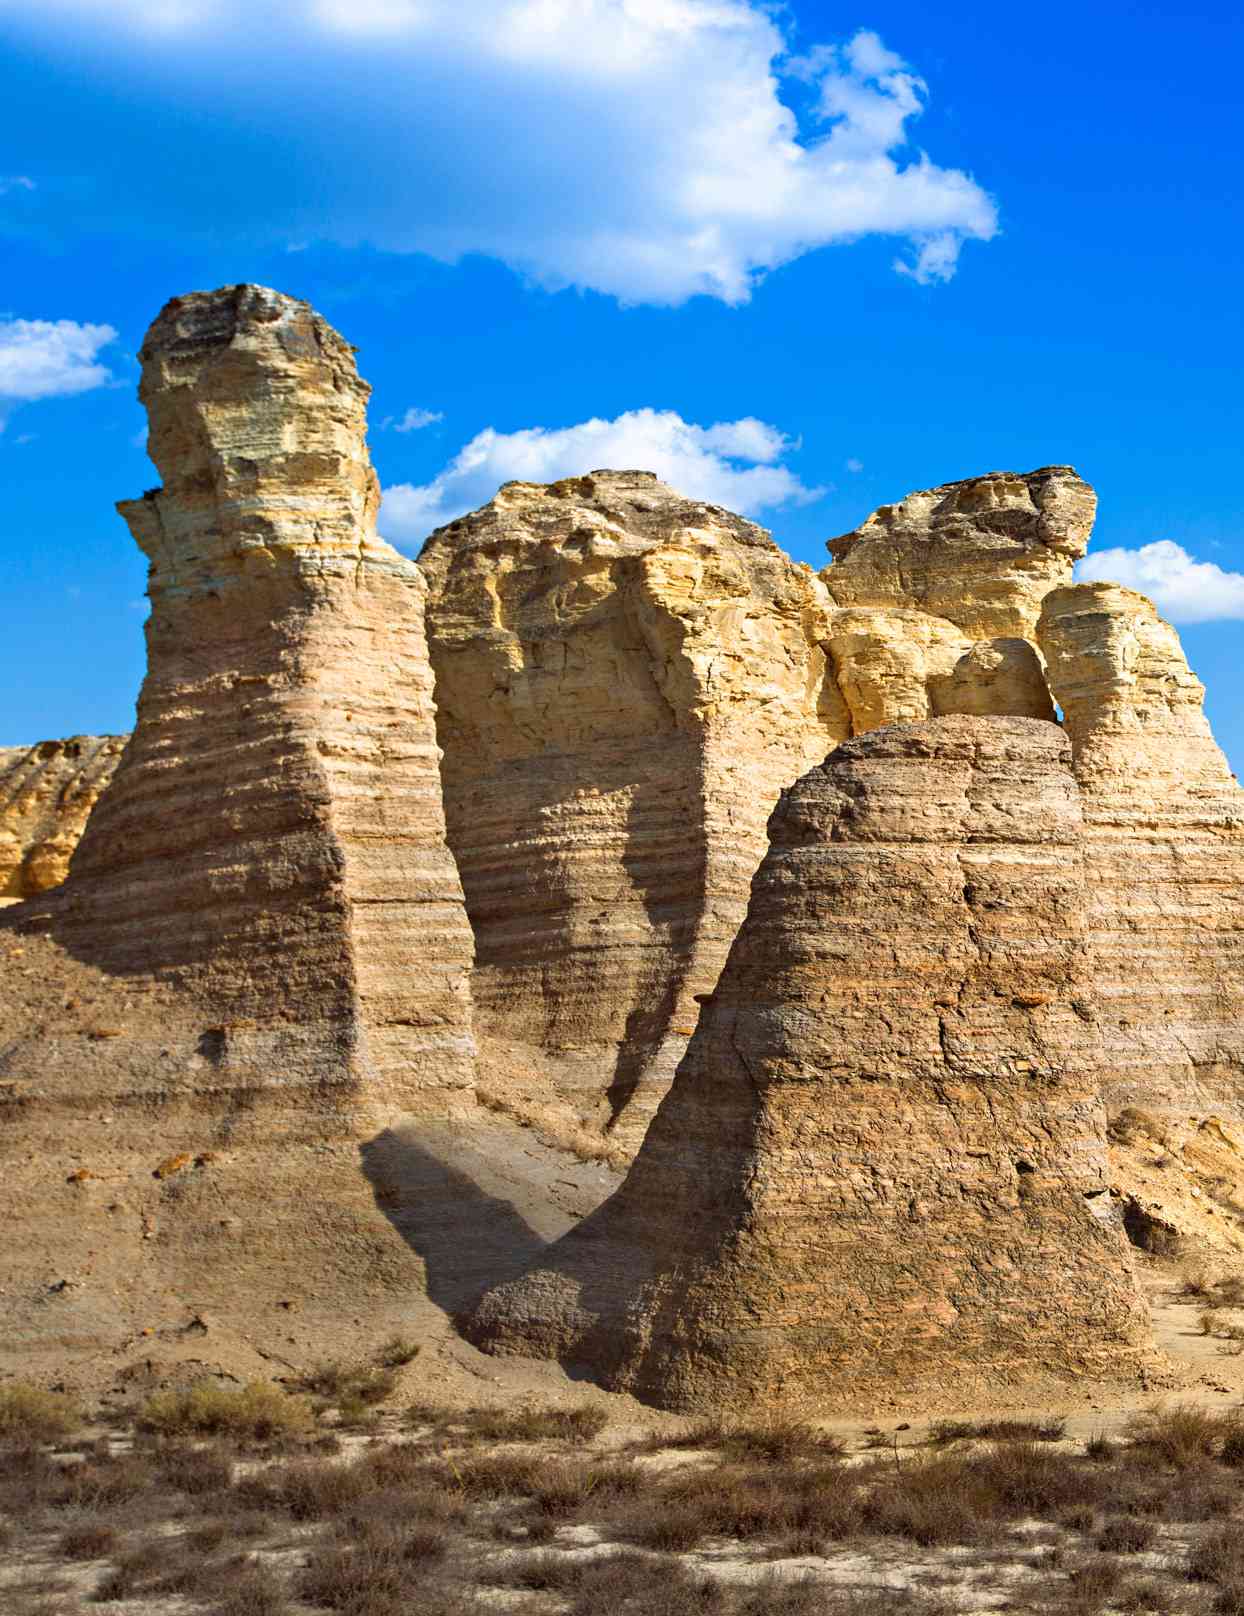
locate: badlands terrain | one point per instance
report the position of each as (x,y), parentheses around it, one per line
(605,1068)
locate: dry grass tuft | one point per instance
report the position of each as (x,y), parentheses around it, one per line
(1046,1430)
(29,1413)
(259,1412)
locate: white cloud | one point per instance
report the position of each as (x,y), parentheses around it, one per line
(1182,588)
(414,420)
(855,465)
(651,150)
(15,182)
(49,359)
(733,463)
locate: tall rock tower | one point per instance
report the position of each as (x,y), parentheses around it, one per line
(261,948)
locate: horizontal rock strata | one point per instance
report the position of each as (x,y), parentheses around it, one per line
(625,680)
(261,946)
(46,795)
(981,553)
(883,1158)
(1164,819)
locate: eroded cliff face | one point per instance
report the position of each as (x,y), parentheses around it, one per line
(261,949)
(625,680)
(883,1159)
(981,553)
(47,792)
(1164,825)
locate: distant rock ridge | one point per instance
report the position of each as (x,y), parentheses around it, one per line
(882,1161)
(47,792)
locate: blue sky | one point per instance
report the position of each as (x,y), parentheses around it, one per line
(575,232)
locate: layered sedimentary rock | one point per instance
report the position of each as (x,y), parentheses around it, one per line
(262,939)
(981,553)
(47,792)
(901,667)
(883,1157)
(625,679)
(1165,829)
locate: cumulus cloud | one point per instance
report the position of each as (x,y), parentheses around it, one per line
(732,463)
(651,150)
(49,359)
(414,420)
(1182,588)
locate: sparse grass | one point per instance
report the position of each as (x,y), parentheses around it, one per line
(1046,1430)
(582,1422)
(351,1388)
(766,1442)
(29,1413)
(1183,1434)
(397,1352)
(1126,1534)
(88,1540)
(259,1412)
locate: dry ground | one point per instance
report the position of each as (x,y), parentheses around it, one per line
(341,1496)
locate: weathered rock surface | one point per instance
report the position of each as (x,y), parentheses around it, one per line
(1164,822)
(902,667)
(625,680)
(981,553)
(261,948)
(883,1158)
(46,793)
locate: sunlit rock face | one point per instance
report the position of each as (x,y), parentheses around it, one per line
(882,1162)
(625,680)
(260,954)
(1164,823)
(47,792)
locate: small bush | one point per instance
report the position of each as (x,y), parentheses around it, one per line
(28,1413)
(1219,1558)
(358,1384)
(1183,1434)
(89,1540)
(397,1352)
(259,1412)
(580,1423)
(1126,1535)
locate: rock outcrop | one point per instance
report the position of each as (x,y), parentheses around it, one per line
(981,553)
(883,1158)
(46,793)
(262,940)
(625,680)
(1164,822)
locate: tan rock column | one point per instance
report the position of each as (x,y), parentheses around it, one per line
(1164,819)
(625,680)
(269,860)
(881,1169)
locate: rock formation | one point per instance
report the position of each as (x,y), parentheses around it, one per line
(46,794)
(625,679)
(981,553)
(262,937)
(1164,822)
(883,1158)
